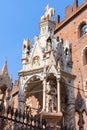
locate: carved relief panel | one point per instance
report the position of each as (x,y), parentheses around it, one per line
(36,61)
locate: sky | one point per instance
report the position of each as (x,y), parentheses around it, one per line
(19,20)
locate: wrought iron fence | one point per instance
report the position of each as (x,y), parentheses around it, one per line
(13,119)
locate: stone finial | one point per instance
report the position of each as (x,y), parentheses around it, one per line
(26,47)
(5,69)
(27,43)
(79,101)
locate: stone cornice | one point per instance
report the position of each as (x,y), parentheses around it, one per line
(68,75)
(47,21)
(30,72)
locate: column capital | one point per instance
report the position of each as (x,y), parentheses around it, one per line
(43,78)
(58,79)
(58,76)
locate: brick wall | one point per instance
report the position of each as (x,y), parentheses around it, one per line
(68,29)
(70,32)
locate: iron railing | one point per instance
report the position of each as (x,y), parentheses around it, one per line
(13,119)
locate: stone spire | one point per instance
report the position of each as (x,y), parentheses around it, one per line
(80,107)
(79,101)
(5,69)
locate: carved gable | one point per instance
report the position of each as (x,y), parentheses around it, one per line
(52,69)
(36,56)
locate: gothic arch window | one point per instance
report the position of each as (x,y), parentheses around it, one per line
(85,56)
(82,29)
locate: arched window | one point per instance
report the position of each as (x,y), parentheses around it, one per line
(85,56)
(83,29)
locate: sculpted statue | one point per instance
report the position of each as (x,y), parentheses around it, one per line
(48,14)
(52,97)
(67,49)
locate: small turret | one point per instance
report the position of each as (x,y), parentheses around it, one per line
(26,47)
(26,51)
(47,24)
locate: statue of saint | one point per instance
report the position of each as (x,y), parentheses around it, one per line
(52,98)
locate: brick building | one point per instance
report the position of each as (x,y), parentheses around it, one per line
(74,29)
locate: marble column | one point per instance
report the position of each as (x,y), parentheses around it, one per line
(58,96)
(21,102)
(44,94)
(21,98)
(47,97)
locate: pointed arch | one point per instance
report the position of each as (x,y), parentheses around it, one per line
(32,78)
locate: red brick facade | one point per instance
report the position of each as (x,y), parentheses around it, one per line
(69,29)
